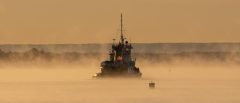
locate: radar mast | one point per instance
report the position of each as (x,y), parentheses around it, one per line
(122,38)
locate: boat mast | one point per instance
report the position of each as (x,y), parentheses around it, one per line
(122,38)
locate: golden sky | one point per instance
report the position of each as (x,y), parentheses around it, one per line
(98,21)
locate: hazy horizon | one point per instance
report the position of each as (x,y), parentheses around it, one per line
(52,50)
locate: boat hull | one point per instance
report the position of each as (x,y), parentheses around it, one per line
(122,75)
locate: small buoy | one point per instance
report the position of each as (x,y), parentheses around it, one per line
(151,85)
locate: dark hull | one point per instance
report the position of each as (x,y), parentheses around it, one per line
(122,75)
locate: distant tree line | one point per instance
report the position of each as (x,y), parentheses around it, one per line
(35,54)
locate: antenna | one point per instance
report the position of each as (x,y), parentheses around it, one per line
(122,38)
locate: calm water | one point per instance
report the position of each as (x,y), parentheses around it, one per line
(174,84)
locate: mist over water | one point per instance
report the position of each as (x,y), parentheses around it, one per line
(182,73)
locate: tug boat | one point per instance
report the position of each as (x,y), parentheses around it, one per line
(120,63)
